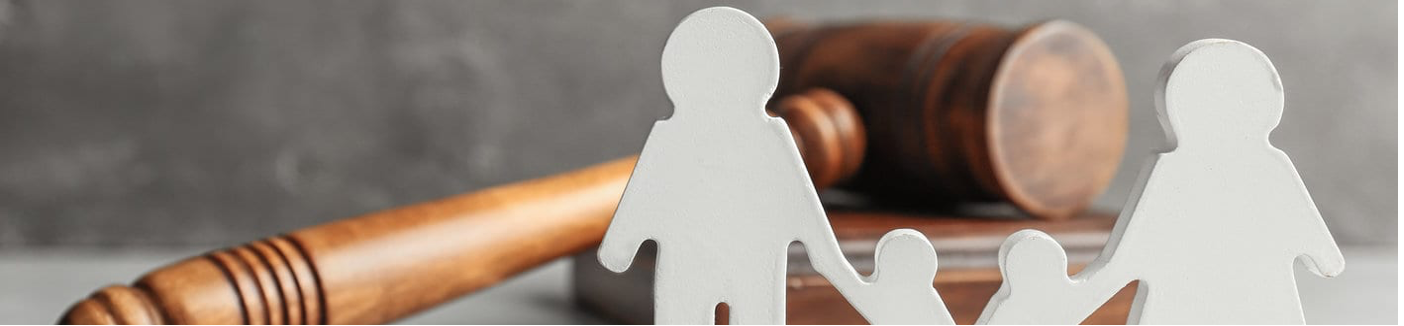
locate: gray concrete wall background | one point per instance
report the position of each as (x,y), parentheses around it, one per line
(138,123)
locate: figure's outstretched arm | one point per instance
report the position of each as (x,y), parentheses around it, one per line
(1323,256)
(823,250)
(619,247)
(636,216)
(1314,241)
(633,223)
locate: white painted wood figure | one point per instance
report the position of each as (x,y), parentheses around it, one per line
(721,188)
(1214,225)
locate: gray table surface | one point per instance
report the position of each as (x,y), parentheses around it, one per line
(36,287)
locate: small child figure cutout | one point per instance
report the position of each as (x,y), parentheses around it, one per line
(722,189)
(1218,222)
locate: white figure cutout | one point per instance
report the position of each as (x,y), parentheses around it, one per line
(721,188)
(1218,223)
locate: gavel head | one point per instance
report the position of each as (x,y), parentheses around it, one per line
(959,113)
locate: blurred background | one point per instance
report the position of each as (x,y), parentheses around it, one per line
(134,133)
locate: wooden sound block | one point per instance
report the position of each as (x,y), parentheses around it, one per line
(966,247)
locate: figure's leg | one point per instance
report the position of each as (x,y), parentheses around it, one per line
(683,304)
(676,306)
(760,305)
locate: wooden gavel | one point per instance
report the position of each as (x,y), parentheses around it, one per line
(935,112)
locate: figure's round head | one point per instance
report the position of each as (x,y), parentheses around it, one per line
(1031,258)
(905,256)
(1219,91)
(1035,269)
(720,55)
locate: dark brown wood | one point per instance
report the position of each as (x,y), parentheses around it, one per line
(967,248)
(959,112)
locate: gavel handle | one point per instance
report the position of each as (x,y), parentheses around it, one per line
(379,267)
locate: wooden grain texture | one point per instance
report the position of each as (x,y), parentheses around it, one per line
(374,268)
(958,112)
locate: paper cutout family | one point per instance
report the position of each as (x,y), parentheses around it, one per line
(721,188)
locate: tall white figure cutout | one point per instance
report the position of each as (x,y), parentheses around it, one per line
(1218,222)
(721,188)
